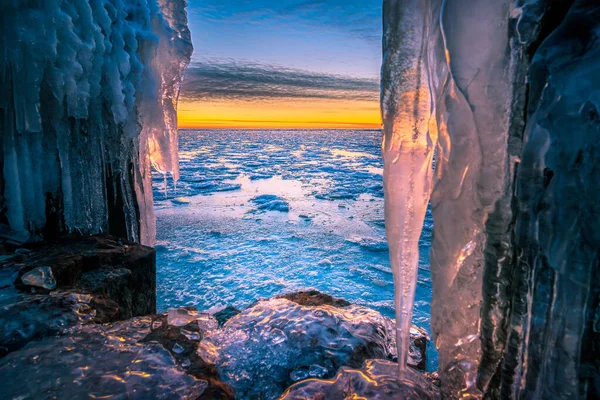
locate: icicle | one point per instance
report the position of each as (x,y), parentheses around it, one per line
(408,147)
(165,185)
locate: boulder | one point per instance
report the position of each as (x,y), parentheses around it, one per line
(279,341)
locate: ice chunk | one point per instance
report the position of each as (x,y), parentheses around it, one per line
(40,277)
(181,316)
(270,202)
(207,322)
(177,349)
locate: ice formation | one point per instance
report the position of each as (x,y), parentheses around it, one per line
(513,260)
(40,277)
(87,102)
(408,148)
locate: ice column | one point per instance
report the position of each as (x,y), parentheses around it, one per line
(553,327)
(473,175)
(88,95)
(408,147)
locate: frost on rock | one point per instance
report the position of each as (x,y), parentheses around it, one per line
(88,96)
(277,342)
(98,361)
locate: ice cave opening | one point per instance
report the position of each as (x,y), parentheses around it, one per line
(504,92)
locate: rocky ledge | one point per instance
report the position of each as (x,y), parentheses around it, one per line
(77,320)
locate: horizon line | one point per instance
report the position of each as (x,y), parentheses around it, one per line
(237,128)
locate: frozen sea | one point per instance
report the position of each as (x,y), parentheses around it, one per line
(259,213)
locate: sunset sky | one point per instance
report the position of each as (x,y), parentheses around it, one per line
(283,64)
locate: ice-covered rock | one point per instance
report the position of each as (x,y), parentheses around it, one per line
(31,317)
(99,361)
(550,329)
(275,342)
(88,93)
(41,277)
(377,379)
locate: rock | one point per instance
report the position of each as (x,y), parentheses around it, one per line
(314,298)
(40,277)
(183,342)
(273,343)
(122,270)
(97,279)
(226,314)
(115,283)
(377,379)
(32,317)
(120,360)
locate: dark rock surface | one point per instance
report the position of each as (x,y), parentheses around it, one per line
(314,298)
(226,314)
(96,279)
(122,270)
(141,358)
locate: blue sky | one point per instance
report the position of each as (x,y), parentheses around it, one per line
(332,36)
(323,49)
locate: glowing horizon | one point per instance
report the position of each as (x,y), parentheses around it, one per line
(283,64)
(280,114)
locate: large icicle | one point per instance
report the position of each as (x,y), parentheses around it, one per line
(408,148)
(87,89)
